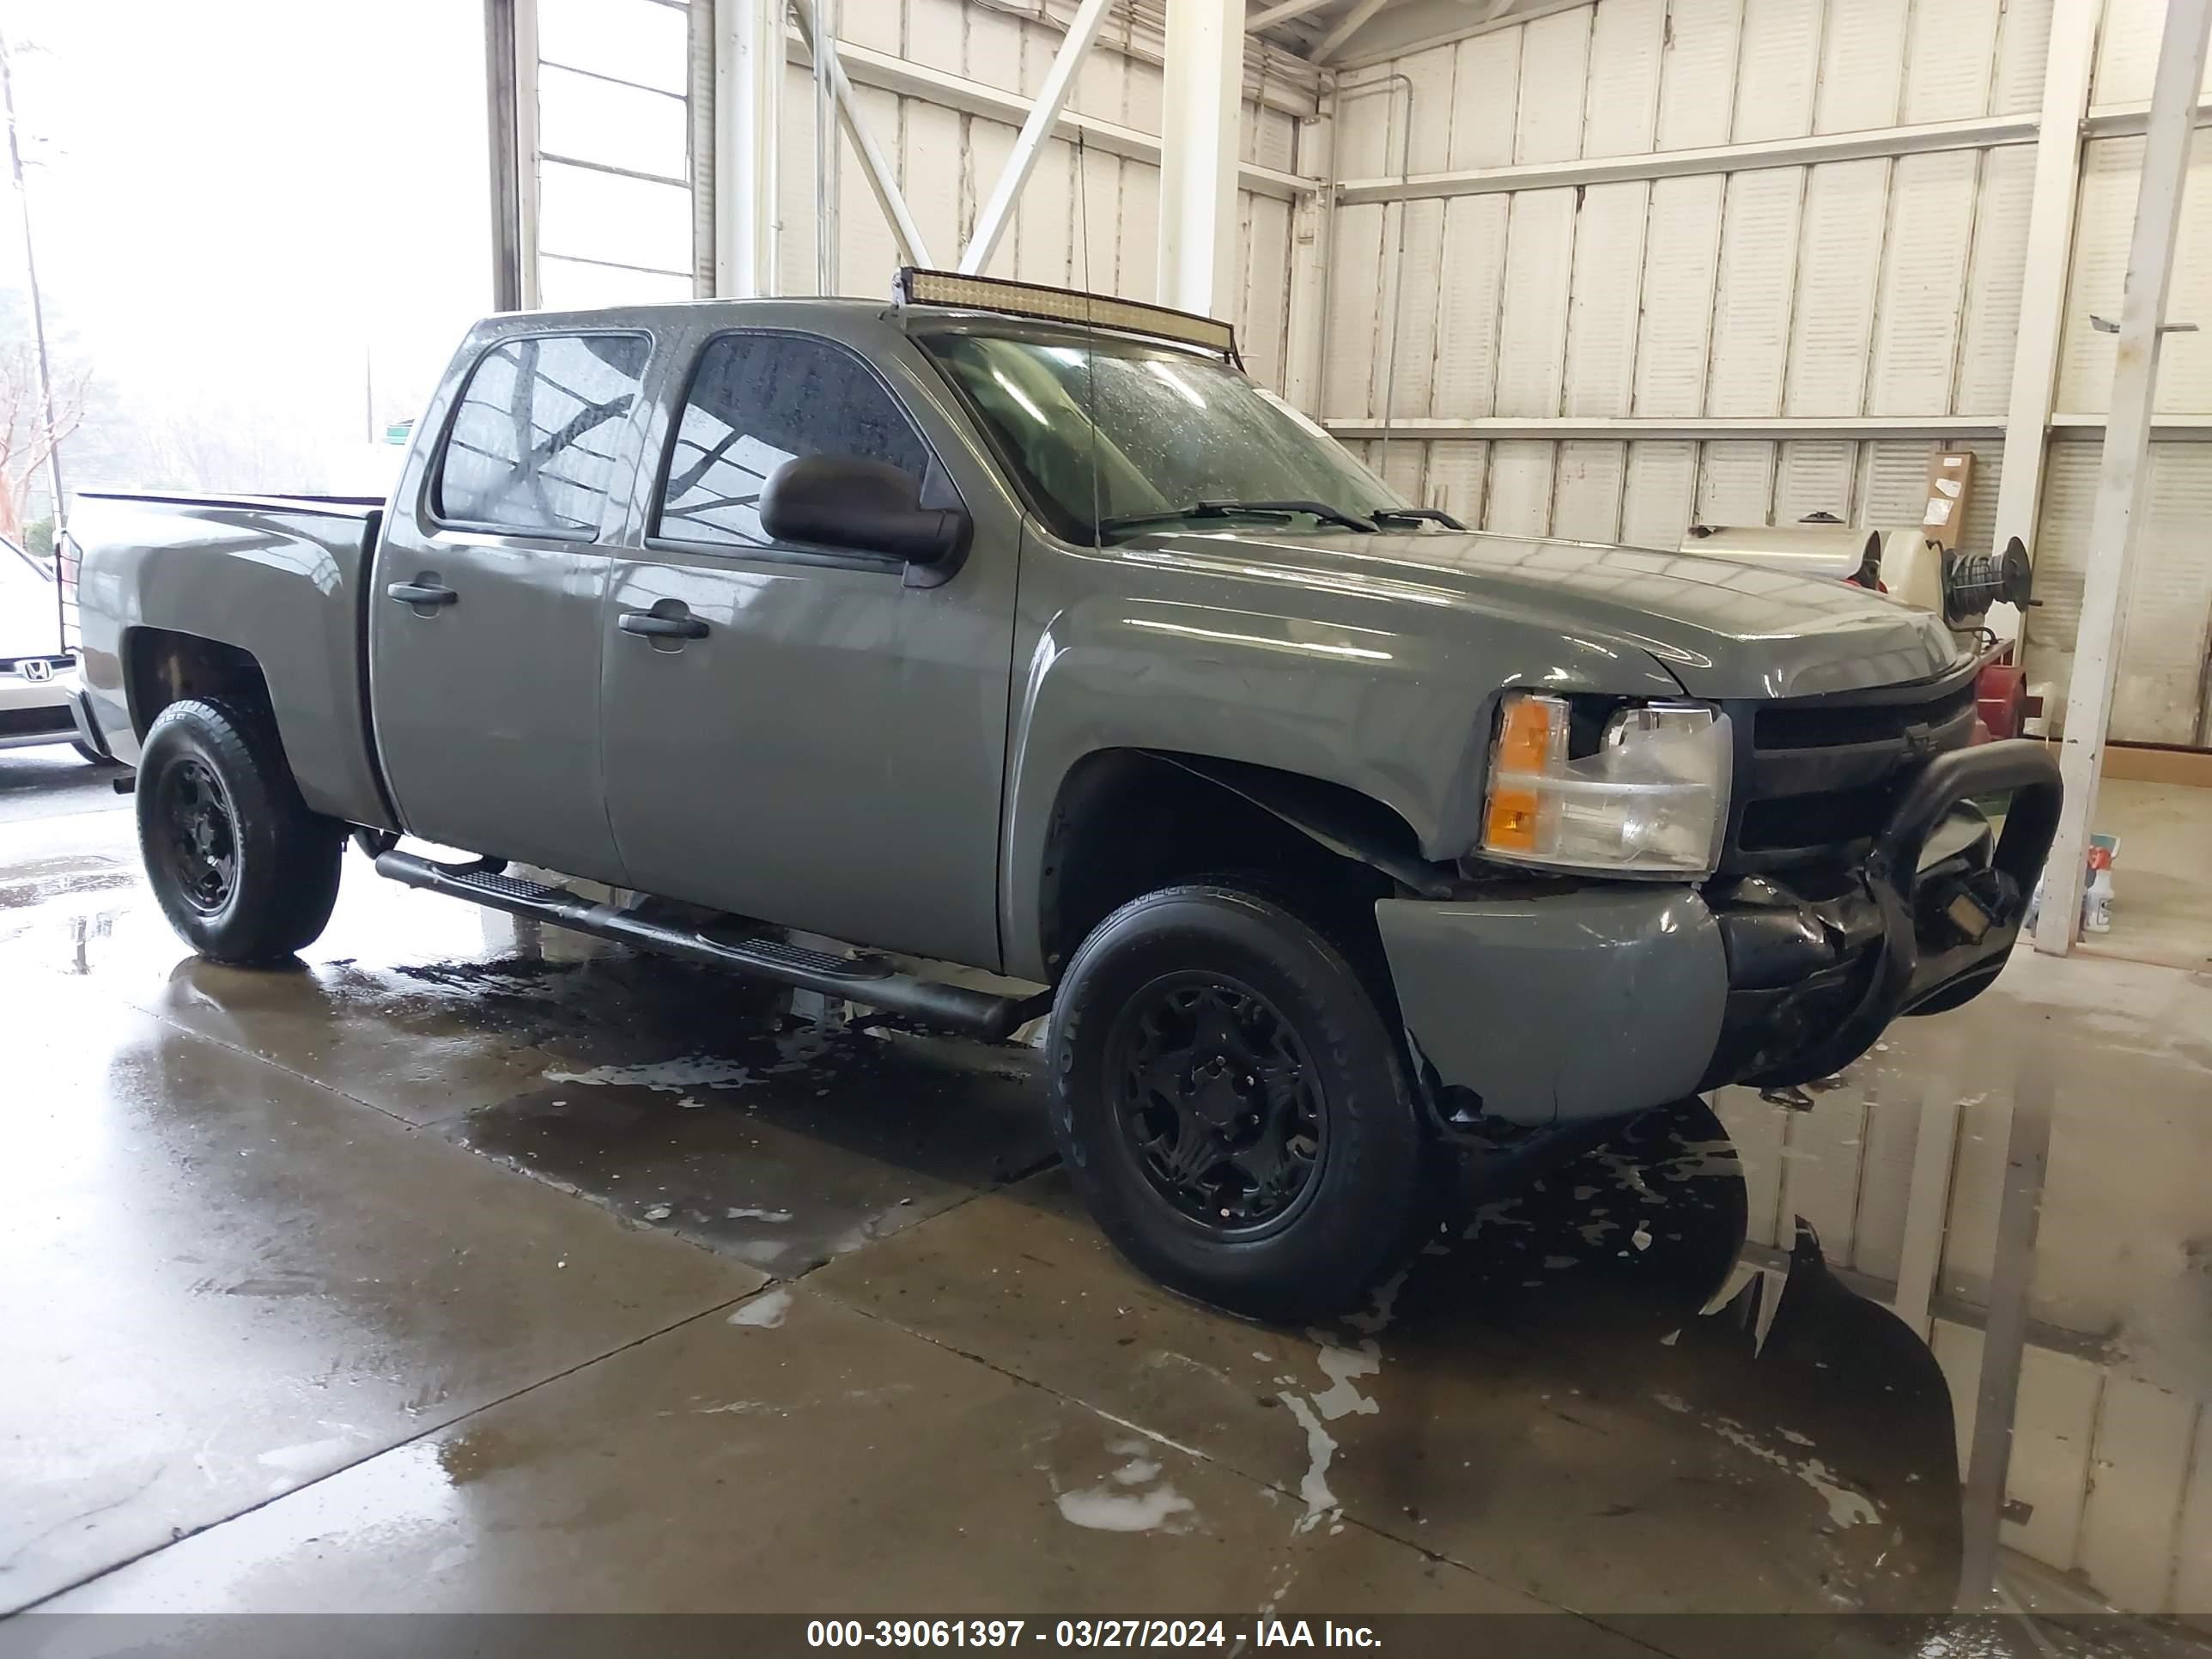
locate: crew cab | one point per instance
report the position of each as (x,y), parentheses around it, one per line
(1019,629)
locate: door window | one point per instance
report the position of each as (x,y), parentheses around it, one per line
(758,400)
(532,447)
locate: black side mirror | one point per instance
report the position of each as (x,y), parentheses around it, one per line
(841,501)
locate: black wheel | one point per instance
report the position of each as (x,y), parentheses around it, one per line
(87,753)
(244,872)
(1233,1108)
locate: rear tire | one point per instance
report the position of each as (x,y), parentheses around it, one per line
(244,872)
(1233,1106)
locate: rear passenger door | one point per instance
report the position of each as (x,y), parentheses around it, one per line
(484,618)
(826,748)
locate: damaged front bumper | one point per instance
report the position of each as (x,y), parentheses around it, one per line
(1598,1001)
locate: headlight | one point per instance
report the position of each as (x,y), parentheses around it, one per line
(1651,798)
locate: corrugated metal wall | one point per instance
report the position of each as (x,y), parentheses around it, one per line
(1877,290)
(1885,287)
(634,221)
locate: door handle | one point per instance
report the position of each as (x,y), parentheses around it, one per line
(662,627)
(421,593)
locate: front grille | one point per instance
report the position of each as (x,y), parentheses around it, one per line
(1816,777)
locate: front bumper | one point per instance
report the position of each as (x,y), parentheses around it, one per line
(34,712)
(1598,1001)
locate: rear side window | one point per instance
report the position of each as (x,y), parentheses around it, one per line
(532,446)
(758,401)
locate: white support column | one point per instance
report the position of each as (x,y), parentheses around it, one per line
(1312,219)
(526,145)
(2121,476)
(882,176)
(1203,109)
(748,65)
(998,212)
(2048,267)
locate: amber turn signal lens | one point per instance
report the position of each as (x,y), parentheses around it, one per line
(1512,827)
(1524,740)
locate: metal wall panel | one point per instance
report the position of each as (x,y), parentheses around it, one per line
(1777,64)
(1949,57)
(1754,293)
(1862,66)
(1627,42)
(1923,283)
(1838,272)
(1679,266)
(1606,295)
(1696,92)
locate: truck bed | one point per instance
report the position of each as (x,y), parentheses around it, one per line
(279,577)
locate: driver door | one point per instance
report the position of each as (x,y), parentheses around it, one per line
(814,742)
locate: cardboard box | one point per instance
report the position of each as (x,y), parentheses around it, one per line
(1950,488)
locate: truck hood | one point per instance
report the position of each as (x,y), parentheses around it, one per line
(1722,630)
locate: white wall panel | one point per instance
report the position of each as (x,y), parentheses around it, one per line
(1455,479)
(1540,244)
(1736,483)
(1416,344)
(1755,287)
(1697,85)
(1554,60)
(1485,96)
(1862,65)
(1355,317)
(1518,502)
(1922,282)
(1776,67)
(1816,478)
(1838,270)
(1586,491)
(1603,312)
(1466,373)
(1679,268)
(1994,278)
(1660,496)
(1950,55)
(2023,44)
(1627,40)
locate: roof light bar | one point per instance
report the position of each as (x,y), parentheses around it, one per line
(914,286)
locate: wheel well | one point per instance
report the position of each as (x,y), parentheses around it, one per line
(161,667)
(1128,822)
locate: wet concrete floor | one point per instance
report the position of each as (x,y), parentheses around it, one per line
(467,1268)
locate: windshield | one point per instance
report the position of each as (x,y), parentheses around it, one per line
(1173,431)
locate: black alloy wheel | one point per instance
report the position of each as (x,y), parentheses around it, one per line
(1219,1101)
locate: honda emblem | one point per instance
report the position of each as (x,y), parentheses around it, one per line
(37,668)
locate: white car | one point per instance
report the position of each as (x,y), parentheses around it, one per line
(39,696)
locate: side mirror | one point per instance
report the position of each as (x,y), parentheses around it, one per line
(841,501)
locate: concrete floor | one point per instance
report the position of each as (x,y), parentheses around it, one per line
(461,1268)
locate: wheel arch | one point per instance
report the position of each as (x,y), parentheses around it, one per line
(1126,821)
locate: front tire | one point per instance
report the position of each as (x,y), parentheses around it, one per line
(244,872)
(1233,1108)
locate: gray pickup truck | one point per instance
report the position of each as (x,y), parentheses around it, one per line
(1018,629)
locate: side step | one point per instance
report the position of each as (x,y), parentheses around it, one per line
(868,980)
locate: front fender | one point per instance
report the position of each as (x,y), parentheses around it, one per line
(1394,708)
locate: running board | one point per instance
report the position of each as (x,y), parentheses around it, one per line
(863,979)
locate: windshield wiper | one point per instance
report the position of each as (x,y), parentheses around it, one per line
(1415,515)
(1284,509)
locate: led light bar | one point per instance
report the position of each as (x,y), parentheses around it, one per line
(915,287)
